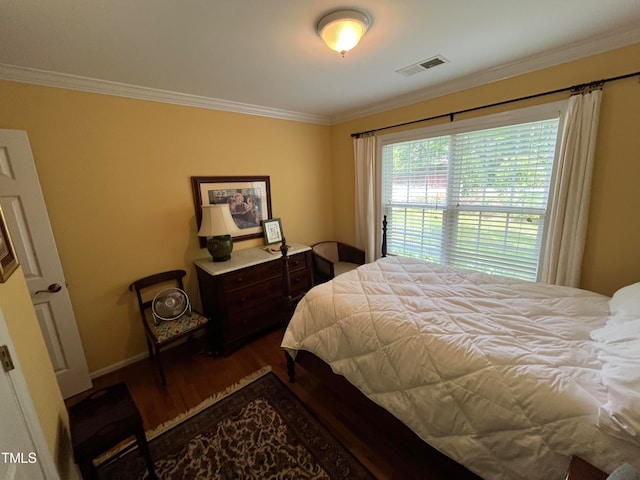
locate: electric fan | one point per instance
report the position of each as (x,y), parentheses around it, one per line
(170,304)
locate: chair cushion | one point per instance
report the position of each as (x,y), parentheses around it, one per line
(328,250)
(166,330)
(342,267)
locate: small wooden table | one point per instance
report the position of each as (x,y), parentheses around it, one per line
(580,469)
(100,422)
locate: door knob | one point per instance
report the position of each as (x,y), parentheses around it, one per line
(53,288)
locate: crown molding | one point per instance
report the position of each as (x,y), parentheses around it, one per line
(593,46)
(74,82)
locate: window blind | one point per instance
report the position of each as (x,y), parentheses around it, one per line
(475,199)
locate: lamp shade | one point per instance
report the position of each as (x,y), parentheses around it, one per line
(341,30)
(216,221)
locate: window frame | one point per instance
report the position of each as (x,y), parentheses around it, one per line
(511,117)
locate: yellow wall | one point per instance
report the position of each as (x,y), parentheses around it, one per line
(115,174)
(612,256)
(31,351)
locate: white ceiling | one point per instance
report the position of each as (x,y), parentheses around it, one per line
(264,56)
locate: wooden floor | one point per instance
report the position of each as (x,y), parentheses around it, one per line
(193,377)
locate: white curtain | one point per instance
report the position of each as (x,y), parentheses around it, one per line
(563,246)
(364,149)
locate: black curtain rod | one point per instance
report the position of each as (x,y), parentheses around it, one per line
(573,89)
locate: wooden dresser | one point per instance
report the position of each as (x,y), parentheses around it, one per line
(244,295)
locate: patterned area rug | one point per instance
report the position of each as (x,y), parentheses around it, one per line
(256,430)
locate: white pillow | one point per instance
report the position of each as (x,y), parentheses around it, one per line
(626,302)
(618,347)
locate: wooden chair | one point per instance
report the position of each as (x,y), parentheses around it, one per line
(333,258)
(163,333)
(103,420)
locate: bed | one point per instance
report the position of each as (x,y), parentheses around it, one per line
(509,378)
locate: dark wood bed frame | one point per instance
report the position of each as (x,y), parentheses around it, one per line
(401,439)
(291,302)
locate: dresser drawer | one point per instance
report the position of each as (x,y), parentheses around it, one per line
(240,300)
(254,319)
(247,277)
(298,262)
(300,281)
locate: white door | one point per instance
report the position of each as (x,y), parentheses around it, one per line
(28,222)
(24,454)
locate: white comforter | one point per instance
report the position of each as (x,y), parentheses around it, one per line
(498,374)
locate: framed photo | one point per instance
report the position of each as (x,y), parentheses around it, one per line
(249,199)
(8,259)
(272,231)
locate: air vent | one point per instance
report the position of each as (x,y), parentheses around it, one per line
(422,66)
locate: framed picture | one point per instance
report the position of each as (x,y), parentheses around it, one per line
(249,199)
(272,231)
(8,259)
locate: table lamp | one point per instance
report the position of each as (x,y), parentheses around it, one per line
(218,225)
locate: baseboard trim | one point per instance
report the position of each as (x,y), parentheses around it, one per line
(118,365)
(136,358)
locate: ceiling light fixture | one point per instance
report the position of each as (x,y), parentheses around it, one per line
(341,30)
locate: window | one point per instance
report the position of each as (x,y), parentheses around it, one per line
(472,194)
